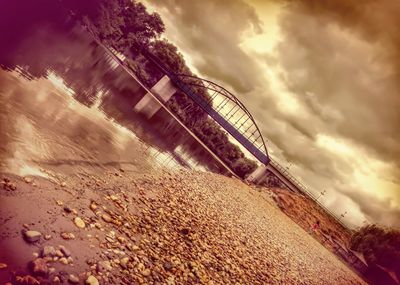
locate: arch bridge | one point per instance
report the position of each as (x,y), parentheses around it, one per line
(220,104)
(217,102)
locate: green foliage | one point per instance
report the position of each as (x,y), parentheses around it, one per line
(379,246)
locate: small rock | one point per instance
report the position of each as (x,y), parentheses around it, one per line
(39,267)
(91,280)
(63,260)
(106,218)
(47,237)
(93,206)
(185,231)
(59,203)
(67,209)
(79,223)
(65,251)
(59,253)
(146,272)
(73,279)
(3,265)
(104,266)
(124,262)
(67,236)
(168,266)
(63,184)
(32,236)
(27,179)
(48,251)
(56,279)
(27,279)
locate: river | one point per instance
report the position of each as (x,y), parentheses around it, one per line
(64,107)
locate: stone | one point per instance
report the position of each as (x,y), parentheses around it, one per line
(28,179)
(27,280)
(3,265)
(104,266)
(63,184)
(91,280)
(59,253)
(146,272)
(79,223)
(65,251)
(93,206)
(67,209)
(56,279)
(39,267)
(63,260)
(73,279)
(32,236)
(47,237)
(48,251)
(67,236)
(106,218)
(168,266)
(124,262)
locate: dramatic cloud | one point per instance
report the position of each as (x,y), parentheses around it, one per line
(326,95)
(213,29)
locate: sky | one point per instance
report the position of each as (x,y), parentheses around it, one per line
(321,78)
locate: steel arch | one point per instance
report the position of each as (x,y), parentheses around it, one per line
(253,142)
(216,88)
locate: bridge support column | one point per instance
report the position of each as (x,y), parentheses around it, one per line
(148,106)
(257,175)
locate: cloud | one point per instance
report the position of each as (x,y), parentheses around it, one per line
(333,74)
(212,34)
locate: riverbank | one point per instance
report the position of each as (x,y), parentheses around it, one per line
(157,228)
(81,196)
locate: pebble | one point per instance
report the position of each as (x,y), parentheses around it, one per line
(93,206)
(146,272)
(79,223)
(3,265)
(27,179)
(104,266)
(91,280)
(39,267)
(48,251)
(65,251)
(124,262)
(63,260)
(73,279)
(32,236)
(106,218)
(67,236)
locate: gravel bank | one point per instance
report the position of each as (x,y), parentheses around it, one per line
(163,228)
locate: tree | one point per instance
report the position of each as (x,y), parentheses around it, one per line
(380,246)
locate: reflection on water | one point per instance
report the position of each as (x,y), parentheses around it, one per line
(79,112)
